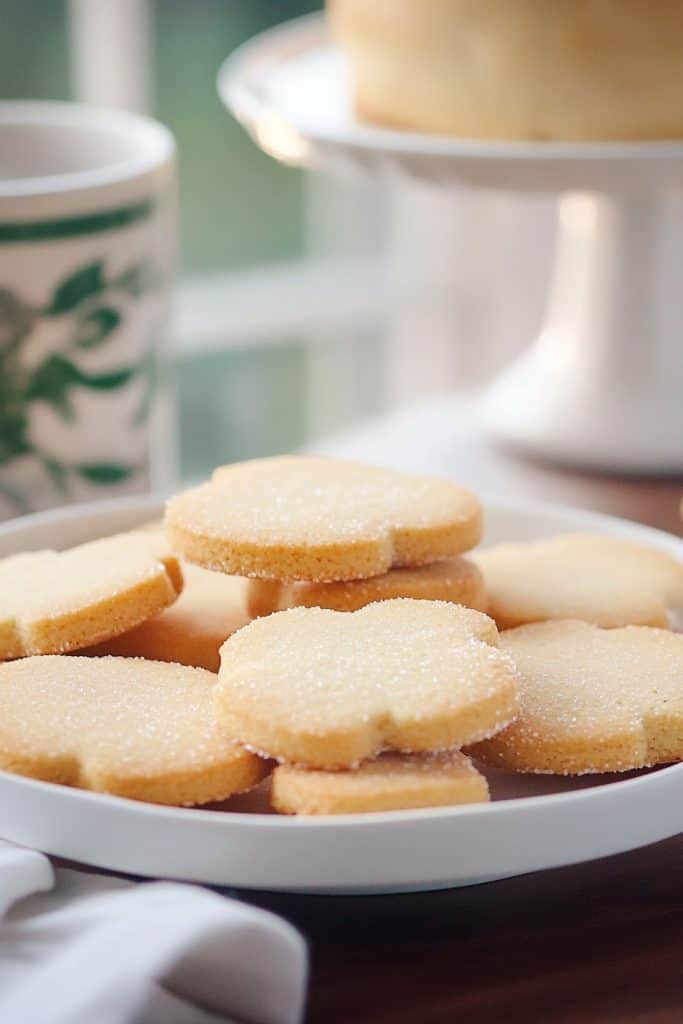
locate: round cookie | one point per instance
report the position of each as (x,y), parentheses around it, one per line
(211,608)
(134,728)
(453,579)
(328,689)
(606,580)
(52,602)
(306,518)
(591,700)
(392,782)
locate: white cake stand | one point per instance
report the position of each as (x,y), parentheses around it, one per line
(602,385)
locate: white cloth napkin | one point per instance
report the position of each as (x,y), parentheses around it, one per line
(77,948)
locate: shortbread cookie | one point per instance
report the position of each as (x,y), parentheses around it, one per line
(305,518)
(329,689)
(135,728)
(454,579)
(211,608)
(606,580)
(392,782)
(592,700)
(52,602)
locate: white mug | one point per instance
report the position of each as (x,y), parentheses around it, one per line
(87,240)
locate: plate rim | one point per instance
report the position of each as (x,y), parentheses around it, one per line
(216,819)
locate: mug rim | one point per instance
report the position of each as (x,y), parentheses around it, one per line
(152,147)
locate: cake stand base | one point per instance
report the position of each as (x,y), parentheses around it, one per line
(602,386)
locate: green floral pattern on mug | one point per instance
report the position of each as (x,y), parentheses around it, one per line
(89,297)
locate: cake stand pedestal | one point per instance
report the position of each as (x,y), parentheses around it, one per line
(602,384)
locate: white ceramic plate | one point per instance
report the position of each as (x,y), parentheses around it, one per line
(290,88)
(532,823)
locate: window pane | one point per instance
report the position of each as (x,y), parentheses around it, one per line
(238,207)
(241,404)
(33,50)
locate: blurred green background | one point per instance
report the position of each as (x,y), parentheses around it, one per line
(225,179)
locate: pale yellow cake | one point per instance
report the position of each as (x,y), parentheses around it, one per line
(517,69)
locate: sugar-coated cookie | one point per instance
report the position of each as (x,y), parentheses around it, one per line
(306,518)
(610,581)
(454,579)
(135,728)
(592,700)
(391,782)
(329,689)
(52,602)
(211,608)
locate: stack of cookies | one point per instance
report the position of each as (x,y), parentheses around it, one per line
(353,665)
(326,533)
(325,693)
(315,621)
(589,622)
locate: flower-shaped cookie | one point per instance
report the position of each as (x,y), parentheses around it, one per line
(135,728)
(328,689)
(591,699)
(610,581)
(52,602)
(306,518)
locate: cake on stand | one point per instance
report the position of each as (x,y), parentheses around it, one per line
(601,387)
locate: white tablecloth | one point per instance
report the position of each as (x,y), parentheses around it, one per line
(79,948)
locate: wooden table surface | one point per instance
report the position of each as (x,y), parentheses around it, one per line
(597,943)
